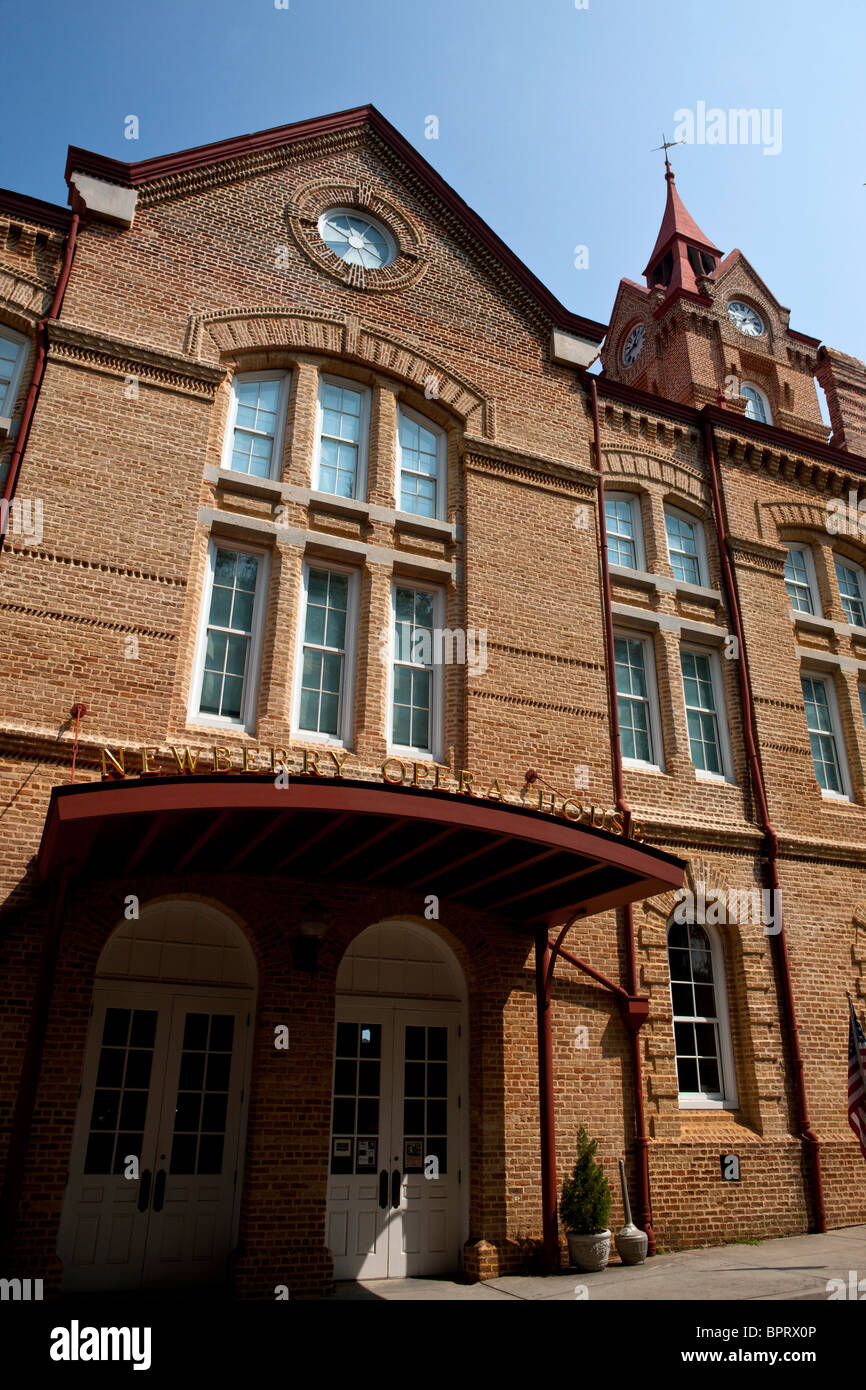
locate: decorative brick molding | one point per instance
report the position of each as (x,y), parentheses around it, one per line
(242,329)
(312,199)
(803,515)
(123,357)
(23,298)
(76,562)
(657,468)
(769,559)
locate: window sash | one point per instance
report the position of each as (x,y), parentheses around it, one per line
(323,655)
(756,408)
(340,443)
(633,700)
(229,634)
(822,734)
(851,594)
(699,691)
(11,362)
(798,582)
(421,465)
(683,548)
(415,676)
(697,1030)
(620,525)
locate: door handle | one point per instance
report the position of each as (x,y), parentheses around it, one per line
(383,1189)
(159,1190)
(395,1188)
(144,1190)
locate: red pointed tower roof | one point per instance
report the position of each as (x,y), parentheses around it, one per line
(678,232)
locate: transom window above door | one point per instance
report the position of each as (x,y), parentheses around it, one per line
(342,428)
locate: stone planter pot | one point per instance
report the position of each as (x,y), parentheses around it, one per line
(590,1253)
(631,1245)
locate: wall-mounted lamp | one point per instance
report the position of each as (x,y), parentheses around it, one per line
(307,943)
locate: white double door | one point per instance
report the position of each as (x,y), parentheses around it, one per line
(153,1173)
(395,1179)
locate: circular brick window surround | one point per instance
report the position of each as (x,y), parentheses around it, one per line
(304,214)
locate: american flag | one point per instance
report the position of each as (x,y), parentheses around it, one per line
(857,1078)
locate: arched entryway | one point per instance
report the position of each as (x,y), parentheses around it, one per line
(155,1168)
(398,1176)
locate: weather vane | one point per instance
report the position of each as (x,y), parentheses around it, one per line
(667,145)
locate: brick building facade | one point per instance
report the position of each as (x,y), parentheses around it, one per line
(319,538)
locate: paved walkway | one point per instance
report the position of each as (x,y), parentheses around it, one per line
(795,1267)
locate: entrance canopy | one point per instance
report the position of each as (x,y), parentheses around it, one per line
(530,867)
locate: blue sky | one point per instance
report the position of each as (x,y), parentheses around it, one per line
(547,115)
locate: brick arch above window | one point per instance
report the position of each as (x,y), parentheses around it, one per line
(244,329)
(639,467)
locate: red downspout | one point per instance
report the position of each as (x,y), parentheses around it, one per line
(41,335)
(757,776)
(634,1013)
(549,1224)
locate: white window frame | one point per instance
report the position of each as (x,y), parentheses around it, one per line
(344,739)
(441,437)
(279,427)
(636,509)
(727,773)
(360,492)
(20,341)
(825,678)
(655,727)
(434,753)
(247,718)
(700,544)
(753,386)
(811,580)
(859,575)
(697,1100)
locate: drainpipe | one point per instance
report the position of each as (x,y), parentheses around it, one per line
(41,336)
(635,1011)
(772,843)
(549,1225)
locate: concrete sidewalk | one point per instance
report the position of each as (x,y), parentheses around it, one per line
(795,1267)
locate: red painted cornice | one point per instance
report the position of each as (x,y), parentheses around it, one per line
(785,440)
(803,338)
(149,170)
(34,210)
(694,296)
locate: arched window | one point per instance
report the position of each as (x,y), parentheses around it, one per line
(757,405)
(702,1037)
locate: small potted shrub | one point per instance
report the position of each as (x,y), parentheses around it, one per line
(585,1208)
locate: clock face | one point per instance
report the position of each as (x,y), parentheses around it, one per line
(745,319)
(633,344)
(356,239)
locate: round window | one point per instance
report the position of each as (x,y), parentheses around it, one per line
(356,239)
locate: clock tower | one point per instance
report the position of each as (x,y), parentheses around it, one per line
(705,328)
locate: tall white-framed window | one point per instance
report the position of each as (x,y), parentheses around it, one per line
(706,717)
(342,431)
(257,416)
(416,685)
(323,704)
(825,735)
(706,1078)
(686,547)
(637,700)
(13,350)
(852,590)
(229,642)
(421,453)
(800,581)
(757,405)
(622,516)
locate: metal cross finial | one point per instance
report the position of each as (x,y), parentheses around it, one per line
(668,145)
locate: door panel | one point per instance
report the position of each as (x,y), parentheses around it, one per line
(393,1220)
(163,1079)
(360,1140)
